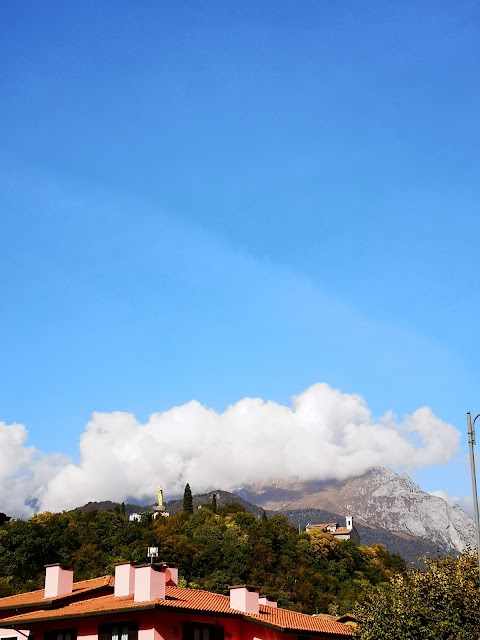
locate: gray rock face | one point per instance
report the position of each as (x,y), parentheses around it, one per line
(392,501)
(379,498)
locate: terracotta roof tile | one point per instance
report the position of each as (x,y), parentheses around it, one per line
(191,600)
(36,597)
(294,621)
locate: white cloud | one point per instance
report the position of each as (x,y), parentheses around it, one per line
(24,471)
(324,434)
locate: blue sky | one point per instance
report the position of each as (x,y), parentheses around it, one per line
(218,200)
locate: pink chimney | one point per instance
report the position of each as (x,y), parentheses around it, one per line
(267,603)
(58,580)
(149,583)
(171,574)
(244,598)
(124,579)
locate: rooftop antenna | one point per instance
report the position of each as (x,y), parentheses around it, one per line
(152,553)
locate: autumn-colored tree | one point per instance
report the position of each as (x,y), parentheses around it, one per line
(441,601)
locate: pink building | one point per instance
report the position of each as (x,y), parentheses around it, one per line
(145,603)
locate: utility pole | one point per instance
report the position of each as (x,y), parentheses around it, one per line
(471,442)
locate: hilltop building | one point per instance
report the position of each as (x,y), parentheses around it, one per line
(348,532)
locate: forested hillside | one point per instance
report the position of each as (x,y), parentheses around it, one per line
(411,548)
(214,548)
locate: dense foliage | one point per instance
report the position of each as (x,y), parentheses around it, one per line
(311,573)
(440,603)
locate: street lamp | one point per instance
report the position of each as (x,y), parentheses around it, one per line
(471,442)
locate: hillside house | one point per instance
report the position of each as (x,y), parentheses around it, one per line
(145,603)
(135,517)
(348,532)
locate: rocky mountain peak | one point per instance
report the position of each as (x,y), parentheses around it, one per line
(379,498)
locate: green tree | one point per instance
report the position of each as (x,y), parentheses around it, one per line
(441,601)
(231,507)
(187,499)
(214,502)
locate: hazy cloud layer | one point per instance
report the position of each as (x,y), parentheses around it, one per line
(324,434)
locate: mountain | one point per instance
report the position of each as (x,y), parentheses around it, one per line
(411,548)
(108,505)
(380,498)
(176,505)
(223,498)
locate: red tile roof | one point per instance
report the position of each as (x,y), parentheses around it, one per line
(187,600)
(324,528)
(32,598)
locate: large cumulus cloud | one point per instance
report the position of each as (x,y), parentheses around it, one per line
(324,434)
(24,471)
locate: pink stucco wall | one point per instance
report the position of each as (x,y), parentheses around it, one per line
(149,634)
(89,630)
(160,625)
(20,634)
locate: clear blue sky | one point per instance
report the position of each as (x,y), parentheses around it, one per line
(213,200)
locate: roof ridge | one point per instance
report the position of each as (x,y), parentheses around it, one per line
(105,575)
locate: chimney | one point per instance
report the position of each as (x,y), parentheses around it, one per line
(124,579)
(349,522)
(58,580)
(171,574)
(244,598)
(266,602)
(149,583)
